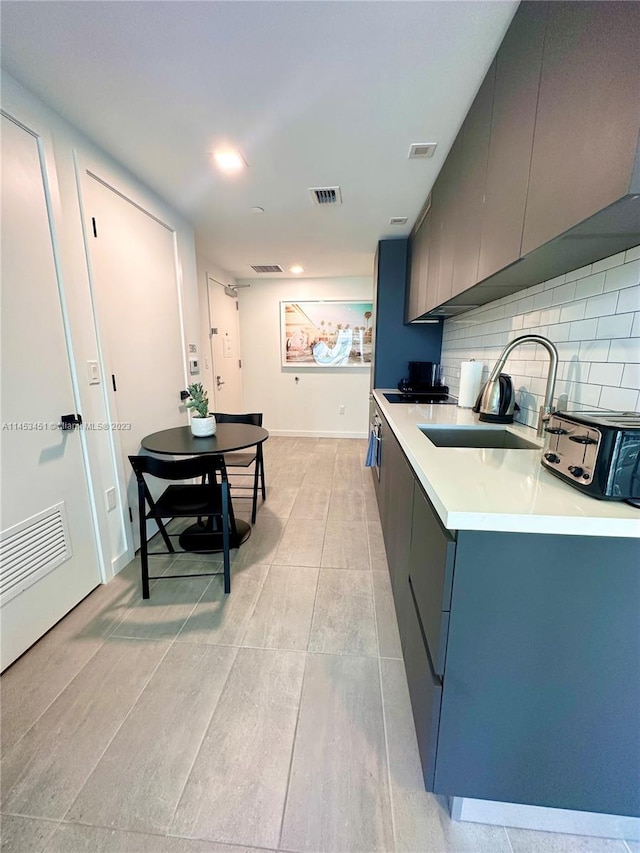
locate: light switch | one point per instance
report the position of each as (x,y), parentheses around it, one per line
(93,371)
(194,366)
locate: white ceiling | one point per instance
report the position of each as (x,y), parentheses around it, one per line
(312,94)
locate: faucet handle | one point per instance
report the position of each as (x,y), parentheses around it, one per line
(544,416)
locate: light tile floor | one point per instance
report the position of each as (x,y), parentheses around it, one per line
(276,718)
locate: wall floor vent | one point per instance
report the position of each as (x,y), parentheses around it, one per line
(326,195)
(31,549)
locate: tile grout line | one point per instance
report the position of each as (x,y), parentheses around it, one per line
(293,752)
(126,716)
(6,755)
(146,832)
(506,832)
(56,824)
(384,715)
(255,603)
(202,740)
(313,610)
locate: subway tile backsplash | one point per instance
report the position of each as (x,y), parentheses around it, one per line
(592,315)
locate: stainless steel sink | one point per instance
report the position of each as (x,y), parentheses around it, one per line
(451,436)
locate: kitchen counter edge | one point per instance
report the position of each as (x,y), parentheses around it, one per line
(497,490)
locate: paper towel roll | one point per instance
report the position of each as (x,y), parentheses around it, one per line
(470,381)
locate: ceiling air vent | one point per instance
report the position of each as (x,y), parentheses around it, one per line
(326,195)
(398,220)
(266,268)
(422,150)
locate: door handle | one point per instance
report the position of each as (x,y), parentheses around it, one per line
(70,421)
(219,382)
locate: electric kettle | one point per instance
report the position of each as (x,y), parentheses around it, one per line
(497,400)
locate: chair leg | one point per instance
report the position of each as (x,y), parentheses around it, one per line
(225,539)
(144,549)
(264,488)
(254,505)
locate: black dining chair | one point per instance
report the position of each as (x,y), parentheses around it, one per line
(246,463)
(208,500)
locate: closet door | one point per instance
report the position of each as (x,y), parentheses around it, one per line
(49,558)
(136,296)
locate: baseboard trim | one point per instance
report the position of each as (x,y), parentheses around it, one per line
(316,434)
(118,563)
(545,819)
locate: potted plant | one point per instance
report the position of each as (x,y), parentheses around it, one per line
(203,423)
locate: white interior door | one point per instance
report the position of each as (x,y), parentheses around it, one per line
(225,347)
(49,557)
(137,302)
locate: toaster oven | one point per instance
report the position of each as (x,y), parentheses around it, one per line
(597,452)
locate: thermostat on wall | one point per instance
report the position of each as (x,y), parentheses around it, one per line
(194,366)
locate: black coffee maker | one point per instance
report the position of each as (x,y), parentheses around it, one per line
(425,377)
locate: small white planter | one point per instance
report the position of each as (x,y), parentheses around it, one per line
(202,427)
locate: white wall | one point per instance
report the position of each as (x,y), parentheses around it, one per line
(69,146)
(591,314)
(308,407)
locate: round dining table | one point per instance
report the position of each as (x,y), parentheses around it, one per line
(180,441)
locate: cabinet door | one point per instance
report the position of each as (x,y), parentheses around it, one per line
(541,696)
(435,239)
(401,518)
(413,283)
(419,253)
(517,78)
(431,561)
(471,188)
(588,116)
(425,252)
(383,472)
(425,691)
(396,514)
(450,203)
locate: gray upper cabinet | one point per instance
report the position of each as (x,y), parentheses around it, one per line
(449,202)
(518,66)
(436,227)
(419,270)
(586,132)
(469,213)
(544,174)
(413,282)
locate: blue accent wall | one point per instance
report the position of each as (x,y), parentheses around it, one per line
(395,343)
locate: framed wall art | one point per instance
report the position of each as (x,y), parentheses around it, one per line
(326,333)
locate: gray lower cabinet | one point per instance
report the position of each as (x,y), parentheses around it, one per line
(522,655)
(423,623)
(541,695)
(397,491)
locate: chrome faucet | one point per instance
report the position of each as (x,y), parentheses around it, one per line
(547,408)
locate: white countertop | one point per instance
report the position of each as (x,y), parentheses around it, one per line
(501,490)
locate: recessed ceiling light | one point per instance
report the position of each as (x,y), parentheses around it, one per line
(257,210)
(421,150)
(228,160)
(296,269)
